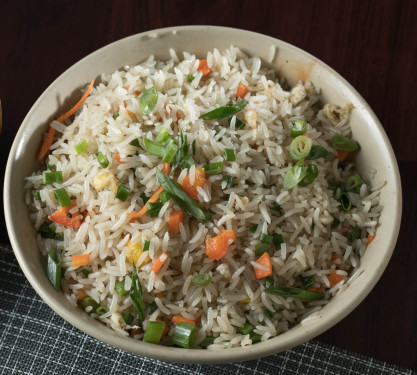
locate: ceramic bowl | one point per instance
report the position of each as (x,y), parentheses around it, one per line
(290,62)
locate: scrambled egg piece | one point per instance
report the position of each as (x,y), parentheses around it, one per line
(251,116)
(335,113)
(104,179)
(134,253)
(298,93)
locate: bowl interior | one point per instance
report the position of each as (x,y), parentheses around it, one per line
(290,62)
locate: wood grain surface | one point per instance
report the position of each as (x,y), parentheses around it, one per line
(373,44)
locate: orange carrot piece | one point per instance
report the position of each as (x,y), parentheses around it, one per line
(229,233)
(342,155)
(174,221)
(63,217)
(203,67)
(316,289)
(242,90)
(166,169)
(179,318)
(80,294)
(166,329)
(80,260)
(117,158)
(305,135)
(134,332)
(216,247)
(370,238)
(199,181)
(336,259)
(334,279)
(264,260)
(51,132)
(130,113)
(159,262)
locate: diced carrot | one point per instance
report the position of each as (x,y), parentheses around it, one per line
(134,332)
(370,238)
(166,329)
(242,90)
(136,92)
(63,217)
(166,169)
(159,294)
(334,278)
(264,260)
(159,262)
(80,260)
(80,294)
(51,132)
(305,134)
(199,181)
(229,233)
(316,289)
(130,113)
(174,221)
(342,155)
(117,158)
(336,260)
(179,318)
(203,67)
(216,247)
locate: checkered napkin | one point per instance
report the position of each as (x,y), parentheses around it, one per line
(35,340)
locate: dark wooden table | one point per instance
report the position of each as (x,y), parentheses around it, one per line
(373,44)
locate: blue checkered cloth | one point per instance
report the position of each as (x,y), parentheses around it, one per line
(35,340)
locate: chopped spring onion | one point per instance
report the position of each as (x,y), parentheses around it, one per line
(300,147)
(88,301)
(115,115)
(275,206)
(47,231)
(317,152)
(182,151)
(162,136)
(354,235)
(341,143)
(81,147)
(214,168)
(84,271)
(225,111)
(49,167)
(269,313)
(246,329)
(190,77)
(171,150)
(101,310)
(154,148)
(299,128)
(335,223)
(120,288)
(148,100)
(154,208)
(152,307)
(265,238)
(128,318)
(122,192)
(37,195)
(261,248)
(206,342)
(311,174)
(52,177)
(184,335)
(239,125)
(269,281)
(255,337)
(345,201)
(62,197)
(229,154)
(54,268)
(353,182)
(102,160)
(144,198)
(294,175)
(253,229)
(277,241)
(193,146)
(146,245)
(154,332)
(164,197)
(292,292)
(227,182)
(136,295)
(187,162)
(307,280)
(135,143)
(201,280)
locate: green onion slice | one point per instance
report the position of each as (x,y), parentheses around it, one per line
(246,329)
(269,313)
(122,192)
(201,280)
(154,148)
(209,340)
(275,206)
(300,147)
(154,332)
(152,307)
(353,182)
(229,154)
(190,77)
(253,229)
(277,241)
(227,182)
(214,168)
(184,335)
(148,100)
(239,125)
(335,223)
(225,111)
(128,318)
(179,195)
(88,301)
(144,198)
(135,143)
(269,281)
(101,310)
(187,162)
(182,151)
(294,175)
(171,150)
(311,174)
(54,268)
(345,201)
(255,337)
(317,152)
(37,195)
(354,235)
(120,288)
(136,295)
(263,237)
(81,147)
(307,280)
(62,197)
(298,128)
(289,291)
(193,144)
(47,231)
(261,248)
(146,245)
(52,177)
(162,136)
(164,197)
(102,160)
(84,271)
(154,208)
(115,115)
(341,143)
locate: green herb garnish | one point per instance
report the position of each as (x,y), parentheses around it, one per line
(148,100)
(225,111)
